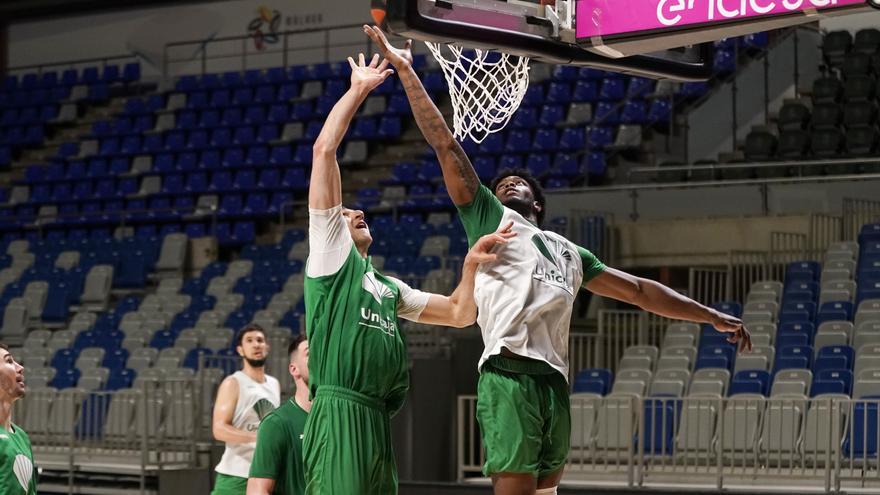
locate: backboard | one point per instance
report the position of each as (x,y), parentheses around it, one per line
(654,38)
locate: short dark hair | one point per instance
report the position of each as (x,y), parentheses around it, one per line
(250,327)
(4,346)
(534,185)
(299,339)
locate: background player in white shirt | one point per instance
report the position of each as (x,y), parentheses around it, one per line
(243,400)
(525,300)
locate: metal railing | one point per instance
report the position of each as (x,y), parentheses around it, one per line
(150,427)
(827,443)
(617,330)
(858,212)
(802,168)
(41,67)
(238,49)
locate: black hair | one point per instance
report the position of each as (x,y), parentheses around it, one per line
(534,185)
(299,339)
(251,327)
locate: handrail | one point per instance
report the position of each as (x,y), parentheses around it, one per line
(749,165)
(717,183)
(285,49)
(66,63)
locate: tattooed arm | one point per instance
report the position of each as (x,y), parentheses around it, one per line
(458,173)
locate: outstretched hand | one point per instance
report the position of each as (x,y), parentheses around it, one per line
(399,57)
(481,250)
(367,77)
(734,326)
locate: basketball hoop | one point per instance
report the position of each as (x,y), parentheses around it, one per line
(486,87)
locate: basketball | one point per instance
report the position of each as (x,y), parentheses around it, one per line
(377,10)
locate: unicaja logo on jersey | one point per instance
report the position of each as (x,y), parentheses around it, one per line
(372,319)
(557,263)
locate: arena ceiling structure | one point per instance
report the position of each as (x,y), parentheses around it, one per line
(17,10)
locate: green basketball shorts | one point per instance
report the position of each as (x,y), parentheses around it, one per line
(229,485)
(525,418)
(347,445)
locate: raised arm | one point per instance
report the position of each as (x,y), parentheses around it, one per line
(325,189)
(657,298)
(458,173)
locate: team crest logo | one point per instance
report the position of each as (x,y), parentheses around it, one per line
(263,407)
(24,471)
(557,270)
(377,289)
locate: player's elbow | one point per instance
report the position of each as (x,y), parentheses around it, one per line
(323,147)
(463,317)
(217,432)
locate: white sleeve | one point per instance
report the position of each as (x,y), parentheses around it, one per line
(329,241)
(412,301)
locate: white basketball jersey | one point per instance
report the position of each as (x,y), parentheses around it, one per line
(255,401)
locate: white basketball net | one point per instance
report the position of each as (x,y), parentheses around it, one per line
(486,88)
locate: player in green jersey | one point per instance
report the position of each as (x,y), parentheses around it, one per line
(525,300)
(277,467)
(358,370)
(17,472)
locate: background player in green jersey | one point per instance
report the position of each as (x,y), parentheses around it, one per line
(358,369)
(277,467)
(525,300)
(17,472)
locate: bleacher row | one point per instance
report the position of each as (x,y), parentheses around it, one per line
(840,119)
(29,102)
(799,352)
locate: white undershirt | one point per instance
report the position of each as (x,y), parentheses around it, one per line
(330,244)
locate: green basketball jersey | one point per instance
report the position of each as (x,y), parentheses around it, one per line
(17,472)
(278,455)
(354,339)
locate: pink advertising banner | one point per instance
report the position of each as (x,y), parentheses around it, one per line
(608,17)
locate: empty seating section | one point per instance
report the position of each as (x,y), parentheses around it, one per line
(31,102)
(816,337)
(840,120)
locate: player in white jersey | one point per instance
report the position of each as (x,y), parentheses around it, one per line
(243,400)
(525,300)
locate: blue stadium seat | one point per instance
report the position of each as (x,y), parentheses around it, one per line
(163,339)
(835,311)
(750,381)
(65,378)
(120,379)
(545,140)
(115,359)
(832,382)
(861,438)
(661,428)
(196,356)
(551,115)
(559,92)
(835,357)
(525,118)
(64,359)
(810,268)
(796,357)
(585,91)
(597,380)
(634,112)
(715,357)
(612,89)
